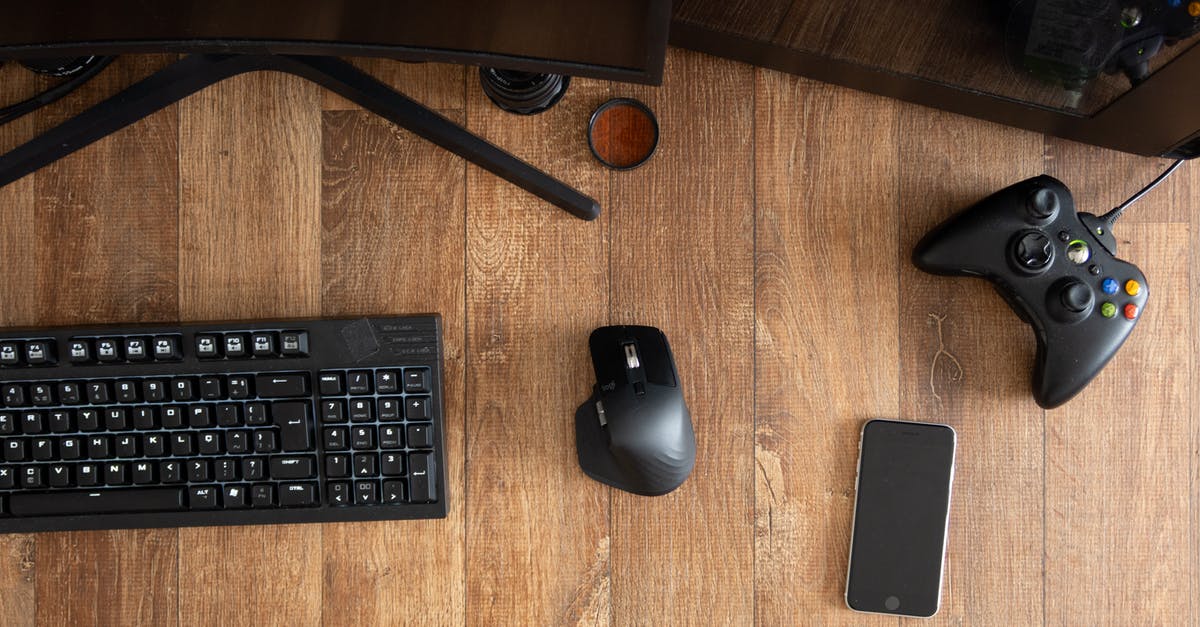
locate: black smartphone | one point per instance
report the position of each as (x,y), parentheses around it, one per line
(901,514)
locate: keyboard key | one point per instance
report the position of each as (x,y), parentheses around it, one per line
(264,442)
(293,343)
(420,436)
(202,497)
(366,493)
(14,394)
(392,464)
(362,410)
(42,449)
(359,382)
(293,467)
(200,416)
(239,388)
(387,382)
(154,390)
(183,389)
(8,477)
(235,345)
(102,502)
(339,493)
(39,352)
(59,421)
(127,446)
(257,414)
(422,484)
(330,384)
(293,420)
(8,423)
(211,389)
(154,445)
(108,349)
(281,385)
(362,438)
(262,495)
(167,348)
(58,475)
(143,473)
(145,418)
(389,409)
(70,449)
(262,344)
(389,438)
(10,353)
(172,417)
(89,420)
(116,419)
(234,496)
(182,445)
(170,471)
(416,408)
(79,351)
(99,447)
(127,391)
(116,473)
(416,380)
(32,423)
(225,470)
(14,450)
(87,475)
(393,492)
(237,442)
(297,495)
(209,443)
(336,439)
(137,349)
(253,469)
(333,411)
(41,394)
(70,393)
(32,478)
(197,470)
(337,466)
(364,465)
(207,347)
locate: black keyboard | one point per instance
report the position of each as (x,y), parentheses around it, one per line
(221,424)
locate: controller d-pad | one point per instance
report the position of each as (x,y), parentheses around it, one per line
(1032,252)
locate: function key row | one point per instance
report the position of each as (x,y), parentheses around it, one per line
(92,350)
(362,382)
(252,344)
(176,390)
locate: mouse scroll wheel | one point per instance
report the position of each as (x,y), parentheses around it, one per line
(631,357)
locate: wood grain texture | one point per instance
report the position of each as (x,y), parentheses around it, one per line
(827,233)
(1115,485)
(687,557)
(966,360)
(393,241)
(769,237)
(537,284)
(250,247)
(436,85)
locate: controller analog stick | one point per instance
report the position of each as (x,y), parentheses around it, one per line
(1032,251)
(1042,205)
(1075,300)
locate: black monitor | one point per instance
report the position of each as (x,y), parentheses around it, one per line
(618,39)
(621,40)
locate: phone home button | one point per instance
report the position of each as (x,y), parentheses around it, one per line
(892,603)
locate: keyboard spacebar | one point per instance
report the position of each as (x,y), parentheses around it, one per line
(96,502)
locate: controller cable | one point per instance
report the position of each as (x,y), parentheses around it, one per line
(14,111)
(1111,217)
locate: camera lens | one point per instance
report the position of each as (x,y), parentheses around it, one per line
(524,93)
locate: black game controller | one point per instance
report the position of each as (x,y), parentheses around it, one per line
(1072,41)
(1056,268)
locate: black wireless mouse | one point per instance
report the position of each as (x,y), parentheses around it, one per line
(635,432)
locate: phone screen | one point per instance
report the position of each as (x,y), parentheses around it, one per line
(900,516)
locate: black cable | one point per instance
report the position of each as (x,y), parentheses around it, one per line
(25,107)
(1111,217)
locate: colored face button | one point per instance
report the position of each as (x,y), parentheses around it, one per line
(1194,9)
(1108,310)
(1131,311)
(1132,287)
(1109,286)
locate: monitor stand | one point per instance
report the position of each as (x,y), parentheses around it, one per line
(195,72)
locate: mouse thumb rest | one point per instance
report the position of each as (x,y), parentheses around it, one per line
(654,477)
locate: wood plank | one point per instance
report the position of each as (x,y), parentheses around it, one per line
(537,527)
(683,260)
(966,360)
(438,86)
(1119,543)
(119,194)
(250,246)
(827,352)
(394,220)
(18,552)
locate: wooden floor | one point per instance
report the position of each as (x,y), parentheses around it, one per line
(769,238)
